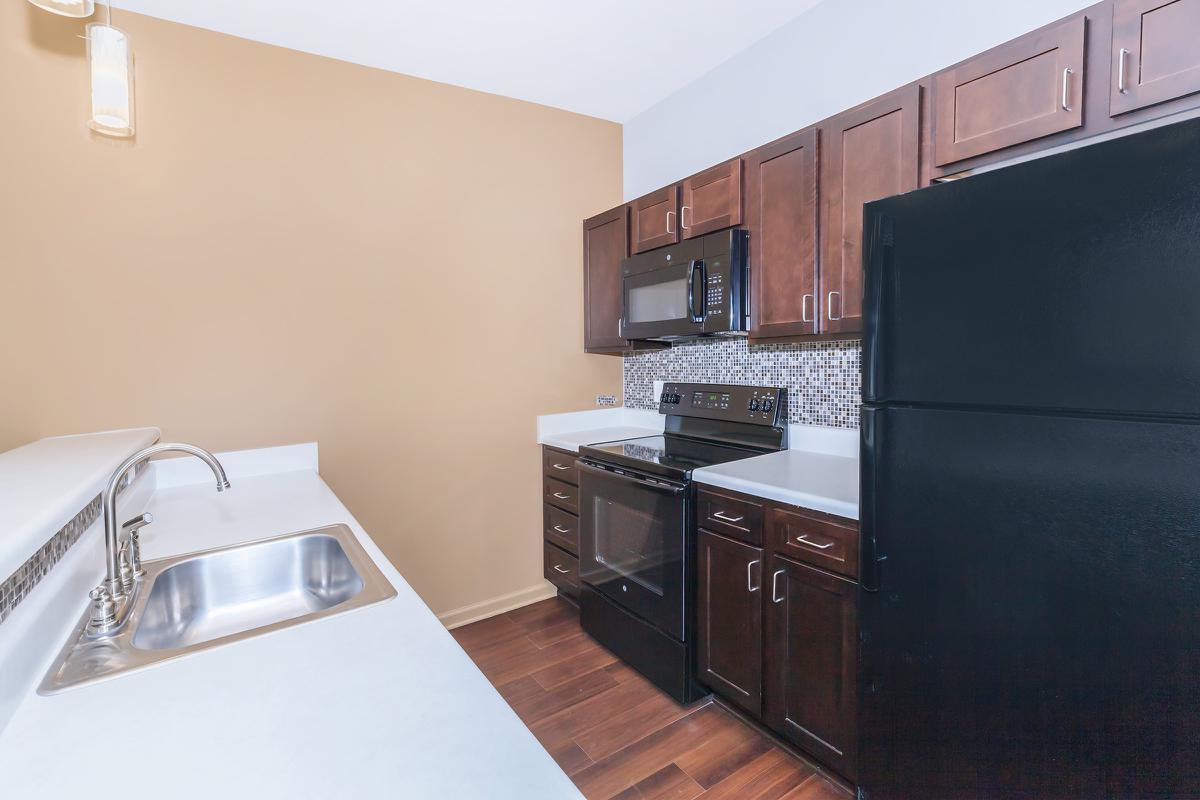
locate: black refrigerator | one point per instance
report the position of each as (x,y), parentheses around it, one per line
(1030,604)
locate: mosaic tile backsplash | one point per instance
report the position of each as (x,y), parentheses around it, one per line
(17,586)
(823,379)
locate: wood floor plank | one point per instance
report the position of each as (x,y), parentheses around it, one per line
(563,671)
(570,758)
(818,787)
(527,662)
(583,717)
(724,755)
(539,706)
(486,632)
(550,634)
(669,783)
(628,725)
(768,777)
(542,614)
(627,766)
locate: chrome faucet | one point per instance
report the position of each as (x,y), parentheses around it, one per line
(122,559)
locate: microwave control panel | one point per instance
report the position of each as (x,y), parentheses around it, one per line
(762,405)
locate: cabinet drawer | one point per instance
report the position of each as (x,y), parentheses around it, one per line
(734,515)
(820,540)
(561,528)
(562,495)
(1020,91)
(561,568)
(560,466)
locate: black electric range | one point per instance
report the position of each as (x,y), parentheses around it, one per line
(637,522)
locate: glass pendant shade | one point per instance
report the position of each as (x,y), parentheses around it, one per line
(112,80)
(67,8)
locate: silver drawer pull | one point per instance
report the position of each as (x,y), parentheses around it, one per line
(1066,88)
(803,538)
(829,306)
(560,466)
(749,580)
(804,314)
(726,517)
(1121,87)
(562,496)
(561,571)
(561,529)
(775,598)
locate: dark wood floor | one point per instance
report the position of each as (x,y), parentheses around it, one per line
(613,732)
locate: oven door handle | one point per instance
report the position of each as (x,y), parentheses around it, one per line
(665,488)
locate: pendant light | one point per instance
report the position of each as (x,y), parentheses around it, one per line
(111,60)
(67,8)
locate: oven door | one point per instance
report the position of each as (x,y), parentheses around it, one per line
(665,303)
(633,533)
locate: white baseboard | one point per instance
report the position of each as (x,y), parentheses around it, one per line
(497,605)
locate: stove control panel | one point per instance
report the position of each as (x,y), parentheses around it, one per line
(754,404)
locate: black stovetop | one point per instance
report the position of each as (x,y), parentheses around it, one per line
(668,456)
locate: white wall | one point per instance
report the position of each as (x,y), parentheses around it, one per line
(834,56)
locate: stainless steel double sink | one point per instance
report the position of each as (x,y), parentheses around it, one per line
(198,601)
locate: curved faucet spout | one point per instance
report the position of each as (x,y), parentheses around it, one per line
(107,610)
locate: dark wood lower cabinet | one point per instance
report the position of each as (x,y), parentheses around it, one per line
(811,661)
(729,629)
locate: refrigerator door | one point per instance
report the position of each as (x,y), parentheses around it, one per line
(1035,629)
(1068,282)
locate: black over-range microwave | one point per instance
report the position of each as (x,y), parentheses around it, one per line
(694,288)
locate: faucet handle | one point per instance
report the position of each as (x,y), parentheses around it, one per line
(131,553)
(140,521)
(104,609)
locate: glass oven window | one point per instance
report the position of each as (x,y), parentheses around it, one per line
(658,301)
(630,542)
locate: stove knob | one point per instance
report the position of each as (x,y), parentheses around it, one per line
(675,399)
(664,398)
(768,404)
(754,404)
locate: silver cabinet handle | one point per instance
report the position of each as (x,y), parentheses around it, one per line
(683,217)
(1066,88)
(561,466)
(775,598)
(561,529)
(804,538)
(669,215)
(804,317)
(726,517)
(562,496)
(1121,87)
(561,571)
(829,306)
(749,580)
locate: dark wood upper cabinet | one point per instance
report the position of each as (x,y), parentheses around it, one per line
(605,242)
(729,620)
(868,153)
(1022,90)
(1155,57)
(654,219)
(711,200)
(811,661)
(781,214)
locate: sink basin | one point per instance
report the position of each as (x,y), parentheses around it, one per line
(202,600)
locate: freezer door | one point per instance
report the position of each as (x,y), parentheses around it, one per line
(1035,626)
(1068,282)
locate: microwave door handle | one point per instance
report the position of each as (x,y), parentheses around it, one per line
(697,265)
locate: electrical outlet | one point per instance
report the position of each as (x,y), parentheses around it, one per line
(606,399)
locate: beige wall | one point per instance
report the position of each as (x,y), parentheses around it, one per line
(299,249)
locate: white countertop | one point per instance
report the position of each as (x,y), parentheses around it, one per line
(818,481)
(572,430)
(378,702)
(43,485)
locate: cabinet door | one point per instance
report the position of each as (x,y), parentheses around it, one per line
(1022,90)
(711,200)
(868,153)
(811,654)
(729,624)
(604,245)
(781,213)
(654,219)
(1154,52)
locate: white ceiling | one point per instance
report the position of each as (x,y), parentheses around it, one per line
(605,58)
